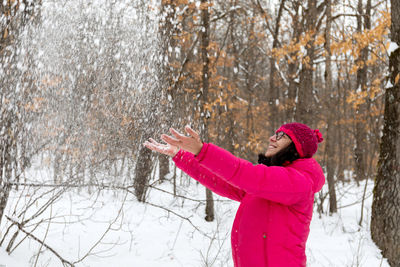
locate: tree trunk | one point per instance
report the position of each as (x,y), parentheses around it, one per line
(205,16)
(144,163)
(330,141)
(13,18)
(142,173)
(167,55)
(385,220)
(360,132)
(163,170)
(273,89)
(305,108)
(4,177)
(293,89)
(338,129)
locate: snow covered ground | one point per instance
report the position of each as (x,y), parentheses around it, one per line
(111,228)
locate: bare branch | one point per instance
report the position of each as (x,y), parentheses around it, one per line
(64,261)
(107,186)
(109,228)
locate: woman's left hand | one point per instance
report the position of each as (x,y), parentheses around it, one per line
(191,143)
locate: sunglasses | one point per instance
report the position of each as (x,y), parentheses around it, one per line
(279,135)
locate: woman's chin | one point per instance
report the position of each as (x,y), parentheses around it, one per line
(269,154)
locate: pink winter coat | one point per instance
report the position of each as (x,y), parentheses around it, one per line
(276,203)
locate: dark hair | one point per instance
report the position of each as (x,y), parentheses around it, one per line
(284,156)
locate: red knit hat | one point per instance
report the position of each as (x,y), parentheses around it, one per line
(304,138)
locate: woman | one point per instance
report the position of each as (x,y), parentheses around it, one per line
(276,196)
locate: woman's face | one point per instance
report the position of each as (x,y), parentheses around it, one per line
(277,142)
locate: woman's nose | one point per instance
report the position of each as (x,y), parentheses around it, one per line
(272,138)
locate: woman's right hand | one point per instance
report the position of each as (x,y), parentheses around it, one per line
(168,149)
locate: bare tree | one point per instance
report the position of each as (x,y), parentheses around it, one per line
(385,220)
(273,77)
(16,90)
(204,43)
(363,23)
(330,140)
(306,108)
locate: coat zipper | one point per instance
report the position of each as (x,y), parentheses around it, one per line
(265,236)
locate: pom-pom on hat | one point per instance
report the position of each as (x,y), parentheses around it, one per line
(304,138)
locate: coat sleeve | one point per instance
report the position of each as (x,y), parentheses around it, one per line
(285,185)
(186,162)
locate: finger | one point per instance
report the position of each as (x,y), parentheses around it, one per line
(150,146)
(170,140)
(155,142)
(177,134)
(160,149)
(192,132)
(158,145)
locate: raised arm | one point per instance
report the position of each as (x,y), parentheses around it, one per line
(285,185)
(187,162)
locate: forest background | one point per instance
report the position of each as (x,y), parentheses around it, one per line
(85,83)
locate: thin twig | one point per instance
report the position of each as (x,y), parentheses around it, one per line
(45,235)
(64,261)
(107,186)
(105,232)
